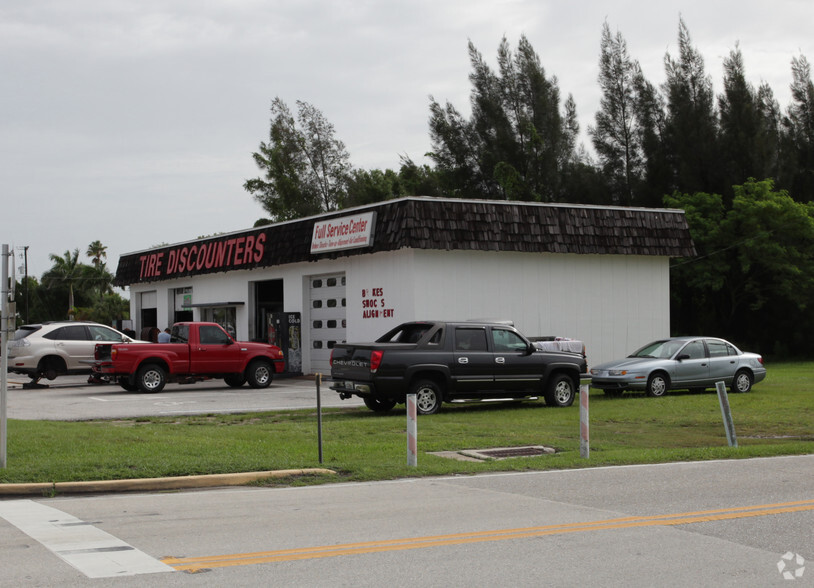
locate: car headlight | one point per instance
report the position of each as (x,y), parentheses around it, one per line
(598,372)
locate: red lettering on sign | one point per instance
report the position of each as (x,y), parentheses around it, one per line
(239,248)
(172,261)
(224,253)
(259,247)
(248,252)
(182,259)
(211,254)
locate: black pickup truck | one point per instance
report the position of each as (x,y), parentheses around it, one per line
(445,361)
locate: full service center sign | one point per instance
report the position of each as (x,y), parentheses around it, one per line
(347,232)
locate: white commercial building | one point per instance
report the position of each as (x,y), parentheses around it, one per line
(595,273)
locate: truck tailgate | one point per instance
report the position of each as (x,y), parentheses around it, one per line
(353,361)
(350,363)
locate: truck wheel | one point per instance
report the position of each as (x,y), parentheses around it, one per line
(428,396)
(151,378)
(259,373)
(235,380)
(377,405)
(561,391)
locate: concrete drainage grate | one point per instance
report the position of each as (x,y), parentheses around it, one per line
(496,453)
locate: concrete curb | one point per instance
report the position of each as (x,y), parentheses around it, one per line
(153,484)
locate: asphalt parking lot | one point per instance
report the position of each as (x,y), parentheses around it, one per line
(73,398)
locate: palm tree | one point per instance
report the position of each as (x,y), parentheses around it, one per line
(101,278)
(99,274)
(66,270)
(97,252)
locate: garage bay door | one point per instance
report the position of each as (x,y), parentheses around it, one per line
(327,319)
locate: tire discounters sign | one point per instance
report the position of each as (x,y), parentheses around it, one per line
(347,232)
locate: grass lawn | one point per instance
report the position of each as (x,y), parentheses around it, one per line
(775,418)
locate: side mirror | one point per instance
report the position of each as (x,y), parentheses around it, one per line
(683,356)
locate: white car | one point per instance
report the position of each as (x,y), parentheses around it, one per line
(50,349)
(680,363)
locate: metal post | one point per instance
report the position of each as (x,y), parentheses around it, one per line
(584,428)
(319,417)
(4,326)
(729,424)
(412,432)
(25,278)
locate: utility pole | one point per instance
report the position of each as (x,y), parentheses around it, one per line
(25,279)
(5,313)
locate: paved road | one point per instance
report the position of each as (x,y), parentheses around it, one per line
(72,398)
(689,524)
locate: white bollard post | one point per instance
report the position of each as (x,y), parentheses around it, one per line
(319,416)
(729,424)
(412,432)
(584,437)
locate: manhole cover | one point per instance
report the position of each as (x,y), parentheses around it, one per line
(506,452)
(512,452)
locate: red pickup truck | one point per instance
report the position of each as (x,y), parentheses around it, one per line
(196,351)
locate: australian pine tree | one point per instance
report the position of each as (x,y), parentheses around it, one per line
(798,134)
(748,127)
(305,168)
(652,131)
(691,129)
(617,135)
(517,143)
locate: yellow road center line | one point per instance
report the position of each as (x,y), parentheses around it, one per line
(198,563)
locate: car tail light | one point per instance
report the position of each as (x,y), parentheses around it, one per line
(113,353)
(331,361)
(375,360)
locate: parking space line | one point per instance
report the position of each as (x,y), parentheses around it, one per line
(93,552)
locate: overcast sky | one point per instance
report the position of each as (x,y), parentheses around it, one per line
(134,122)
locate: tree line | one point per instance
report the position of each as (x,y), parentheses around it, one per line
(740,166)
(72,290)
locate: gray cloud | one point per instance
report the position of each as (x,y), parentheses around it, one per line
(134,122)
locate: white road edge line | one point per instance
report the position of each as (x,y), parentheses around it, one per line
(93,552)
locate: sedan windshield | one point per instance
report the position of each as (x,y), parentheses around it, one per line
(659,349)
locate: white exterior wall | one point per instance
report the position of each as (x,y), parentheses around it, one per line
(392,272)
(614,303)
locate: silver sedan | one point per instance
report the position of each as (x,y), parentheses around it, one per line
(680,363)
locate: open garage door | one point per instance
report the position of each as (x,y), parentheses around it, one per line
(328,319)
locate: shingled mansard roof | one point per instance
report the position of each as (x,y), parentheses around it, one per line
(449,224)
